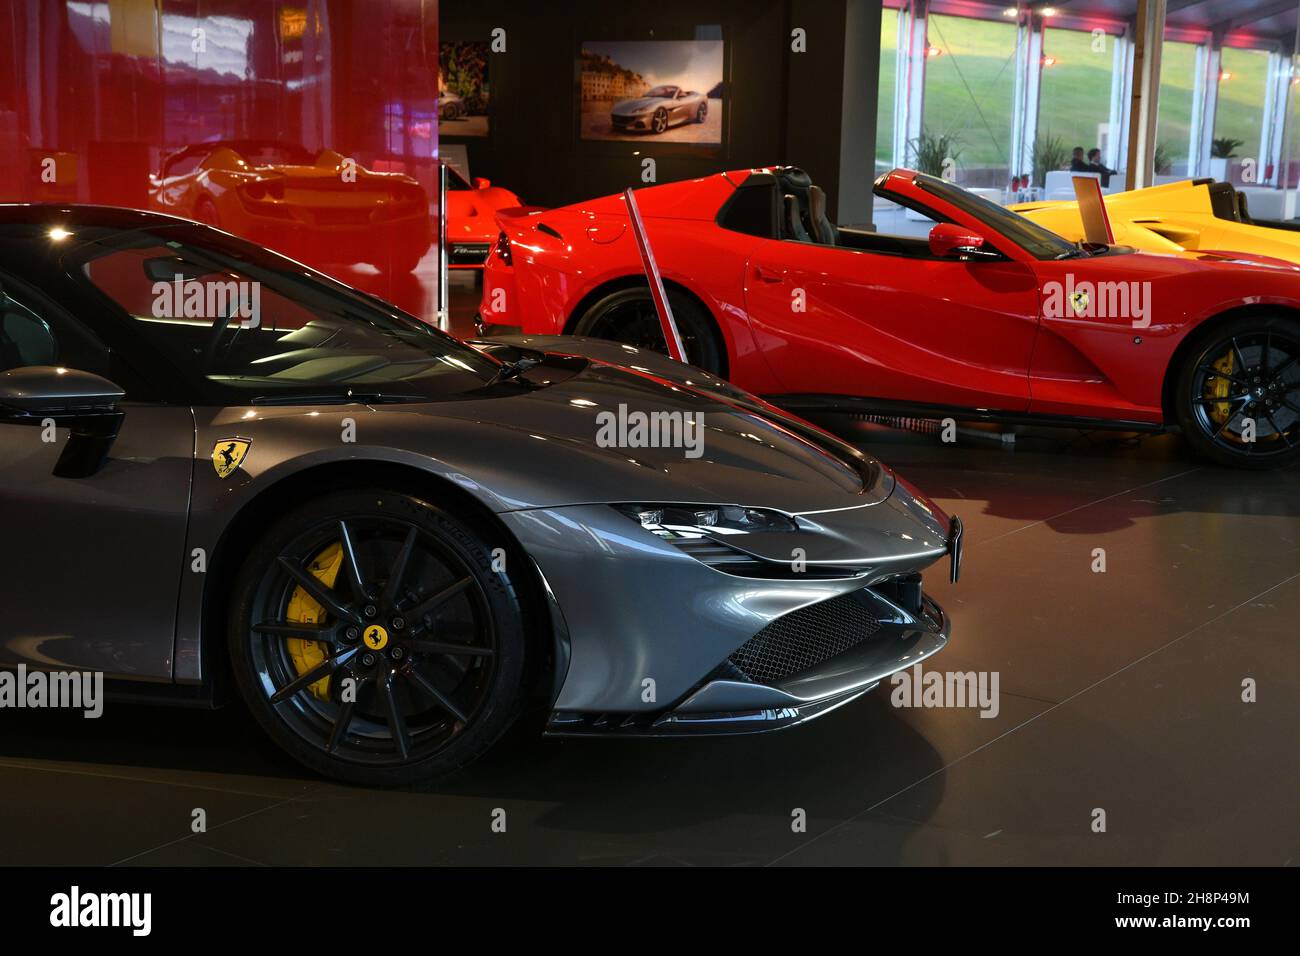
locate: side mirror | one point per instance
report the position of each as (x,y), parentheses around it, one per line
(950,241)
(83,402)
(481,183)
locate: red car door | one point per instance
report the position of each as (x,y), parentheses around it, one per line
(879,316)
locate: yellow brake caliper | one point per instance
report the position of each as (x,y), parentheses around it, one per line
(303,609)
(1218,387)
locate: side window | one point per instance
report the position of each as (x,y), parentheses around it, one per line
(894,219)
(33,334)
(183,298)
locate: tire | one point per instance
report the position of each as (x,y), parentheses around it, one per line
(702,113)
(1244,369)
(451,706)
(659,122)
(629,316)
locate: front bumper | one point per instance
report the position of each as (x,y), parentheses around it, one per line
(729,702)
(623,123)
(652,624)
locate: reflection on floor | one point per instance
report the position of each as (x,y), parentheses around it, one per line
(1119,691)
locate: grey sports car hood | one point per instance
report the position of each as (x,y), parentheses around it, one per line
(646,429)
(585,432)
(637,105)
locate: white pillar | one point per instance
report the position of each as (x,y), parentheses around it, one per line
(1205,99)
(1121,89)
(1277,101)
(1026,94)
(909,80)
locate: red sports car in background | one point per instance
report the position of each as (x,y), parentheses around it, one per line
(299,202)
(471,218)
(989,317)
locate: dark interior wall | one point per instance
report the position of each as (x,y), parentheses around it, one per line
(781,107)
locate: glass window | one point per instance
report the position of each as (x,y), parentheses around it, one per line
(33,332)
(255,326)
(969,86)
(1173,124)
(1239,116)
(1074,105)
(885,100)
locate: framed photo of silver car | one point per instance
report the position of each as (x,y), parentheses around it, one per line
(463,88)
(653,92)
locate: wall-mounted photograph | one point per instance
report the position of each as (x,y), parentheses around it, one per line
(463,90)
(655,90)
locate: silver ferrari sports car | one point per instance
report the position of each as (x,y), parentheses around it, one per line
(660,108)
(215,461)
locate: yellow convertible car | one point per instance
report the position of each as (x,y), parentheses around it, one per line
(1194,214)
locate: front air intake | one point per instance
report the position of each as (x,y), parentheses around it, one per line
(805,638)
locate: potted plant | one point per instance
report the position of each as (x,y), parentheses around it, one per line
(935,156)
(1050,153)
(1221,150)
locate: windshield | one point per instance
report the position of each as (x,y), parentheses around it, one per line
(272,154)
(251,326)
(1033,238)
(663,91)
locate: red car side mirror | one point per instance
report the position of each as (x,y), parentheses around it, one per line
(481,183)
(949,241)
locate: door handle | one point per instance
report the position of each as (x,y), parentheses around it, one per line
(767,275)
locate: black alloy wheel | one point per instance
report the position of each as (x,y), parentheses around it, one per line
(374,641)
(1239,395)
(629,316)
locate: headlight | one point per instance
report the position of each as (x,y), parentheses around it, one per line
(698,521)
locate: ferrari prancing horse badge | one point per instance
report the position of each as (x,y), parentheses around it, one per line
(228,453)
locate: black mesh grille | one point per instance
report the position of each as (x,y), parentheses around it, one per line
(804,638)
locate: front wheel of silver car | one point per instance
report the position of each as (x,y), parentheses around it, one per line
(659,122)
(374,641)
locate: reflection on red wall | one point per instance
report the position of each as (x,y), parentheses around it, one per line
(305,126)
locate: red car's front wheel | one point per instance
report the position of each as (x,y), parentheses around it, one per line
(1238,394)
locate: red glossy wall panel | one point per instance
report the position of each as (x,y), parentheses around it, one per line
(329,104)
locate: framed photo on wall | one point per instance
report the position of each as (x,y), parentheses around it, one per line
(669,95)
(464,91)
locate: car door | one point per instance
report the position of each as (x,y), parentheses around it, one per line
(878,316)
(92,566)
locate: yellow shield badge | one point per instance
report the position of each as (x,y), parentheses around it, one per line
(228,453)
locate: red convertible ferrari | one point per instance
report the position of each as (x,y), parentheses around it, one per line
(987,317)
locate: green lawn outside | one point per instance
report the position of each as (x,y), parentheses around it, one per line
(968,90)
(1075,97)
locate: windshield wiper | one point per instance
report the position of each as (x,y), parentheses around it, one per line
(509,370)
(336,398)
(1084,249)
